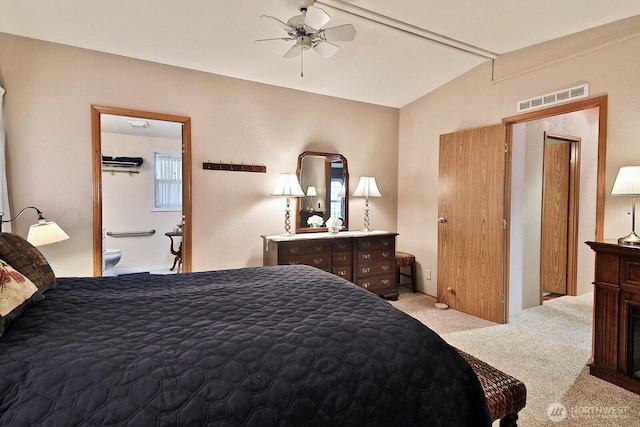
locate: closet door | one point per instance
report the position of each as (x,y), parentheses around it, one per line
(471,230)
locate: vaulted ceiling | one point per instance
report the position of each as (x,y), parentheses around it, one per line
(392,60)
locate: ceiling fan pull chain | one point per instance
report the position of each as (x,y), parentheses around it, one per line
(301,61)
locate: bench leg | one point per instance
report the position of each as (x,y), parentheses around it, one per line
(510,420)
(413,277)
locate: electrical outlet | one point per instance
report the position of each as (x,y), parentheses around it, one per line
(427,274)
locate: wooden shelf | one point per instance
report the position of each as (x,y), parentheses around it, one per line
(234,167)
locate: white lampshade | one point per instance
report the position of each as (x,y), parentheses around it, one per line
(45,232)
(627,182)
(367,188)
(311,191)
(288,186)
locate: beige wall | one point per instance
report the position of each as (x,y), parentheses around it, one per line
(50,88)
(605,58)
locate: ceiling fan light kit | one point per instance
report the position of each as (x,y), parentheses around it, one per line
(308,32)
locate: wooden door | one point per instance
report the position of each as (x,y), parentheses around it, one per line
(471,210)
(558,233)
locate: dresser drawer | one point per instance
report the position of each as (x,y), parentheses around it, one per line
(319,261)
(297,249)
(341,259)
(343,271)
(376,283)
(373,269)
(375,255)
(342,246)
(380,243)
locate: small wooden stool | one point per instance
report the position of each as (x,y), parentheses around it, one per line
(405,259)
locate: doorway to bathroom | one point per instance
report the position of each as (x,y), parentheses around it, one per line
(142,191)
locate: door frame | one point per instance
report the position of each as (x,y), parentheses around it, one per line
(96,146)
(585,104)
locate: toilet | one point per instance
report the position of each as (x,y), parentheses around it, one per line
(111,258)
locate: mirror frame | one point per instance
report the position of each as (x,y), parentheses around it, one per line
(96,146)
(334,158)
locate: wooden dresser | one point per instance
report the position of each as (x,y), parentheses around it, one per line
(616,300)
(366,259)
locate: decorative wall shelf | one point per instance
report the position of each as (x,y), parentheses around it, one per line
(234,167)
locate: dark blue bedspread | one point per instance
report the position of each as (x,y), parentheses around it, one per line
(287,345)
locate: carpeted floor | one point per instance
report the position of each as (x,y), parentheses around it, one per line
(546,347)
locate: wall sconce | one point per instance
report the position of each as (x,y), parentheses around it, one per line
(288,186)
(367,188)
(42,233)
(627,183)
(311,193)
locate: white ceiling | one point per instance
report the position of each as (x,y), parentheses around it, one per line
(382,65)
(154,128)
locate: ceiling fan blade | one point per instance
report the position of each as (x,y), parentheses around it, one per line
(296,21)
(342,33)
(296,50)
(285,26)
(276,38)
(326,49)
(316,18)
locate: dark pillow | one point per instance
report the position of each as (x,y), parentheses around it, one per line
(17,293)
(25,258)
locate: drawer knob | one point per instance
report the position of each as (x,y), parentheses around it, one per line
(366,285)
(293,250)
(317,261)
(366,256)
(342,273)
(386,243)
(385,268)
(318,248)
(342,258)
(385,281)
(366,270)
(385,254)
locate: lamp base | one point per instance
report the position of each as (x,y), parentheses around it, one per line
(631,239)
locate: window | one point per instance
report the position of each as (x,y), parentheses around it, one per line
(337,209)
(167,180)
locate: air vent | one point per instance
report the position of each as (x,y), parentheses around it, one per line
(558,97)
(138,123)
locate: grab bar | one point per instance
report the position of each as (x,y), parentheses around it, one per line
(130,233)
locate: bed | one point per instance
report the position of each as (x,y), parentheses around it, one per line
(263,346)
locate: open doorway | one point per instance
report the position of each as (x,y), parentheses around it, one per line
(99,160)
(587,120)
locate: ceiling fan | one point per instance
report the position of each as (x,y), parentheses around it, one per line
(308,32)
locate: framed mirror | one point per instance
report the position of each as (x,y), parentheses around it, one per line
(324,178)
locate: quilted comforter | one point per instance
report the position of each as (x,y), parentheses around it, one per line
(265,346)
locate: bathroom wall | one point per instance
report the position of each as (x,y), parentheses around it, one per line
(127,204)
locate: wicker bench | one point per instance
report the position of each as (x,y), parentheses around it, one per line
(505,394)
